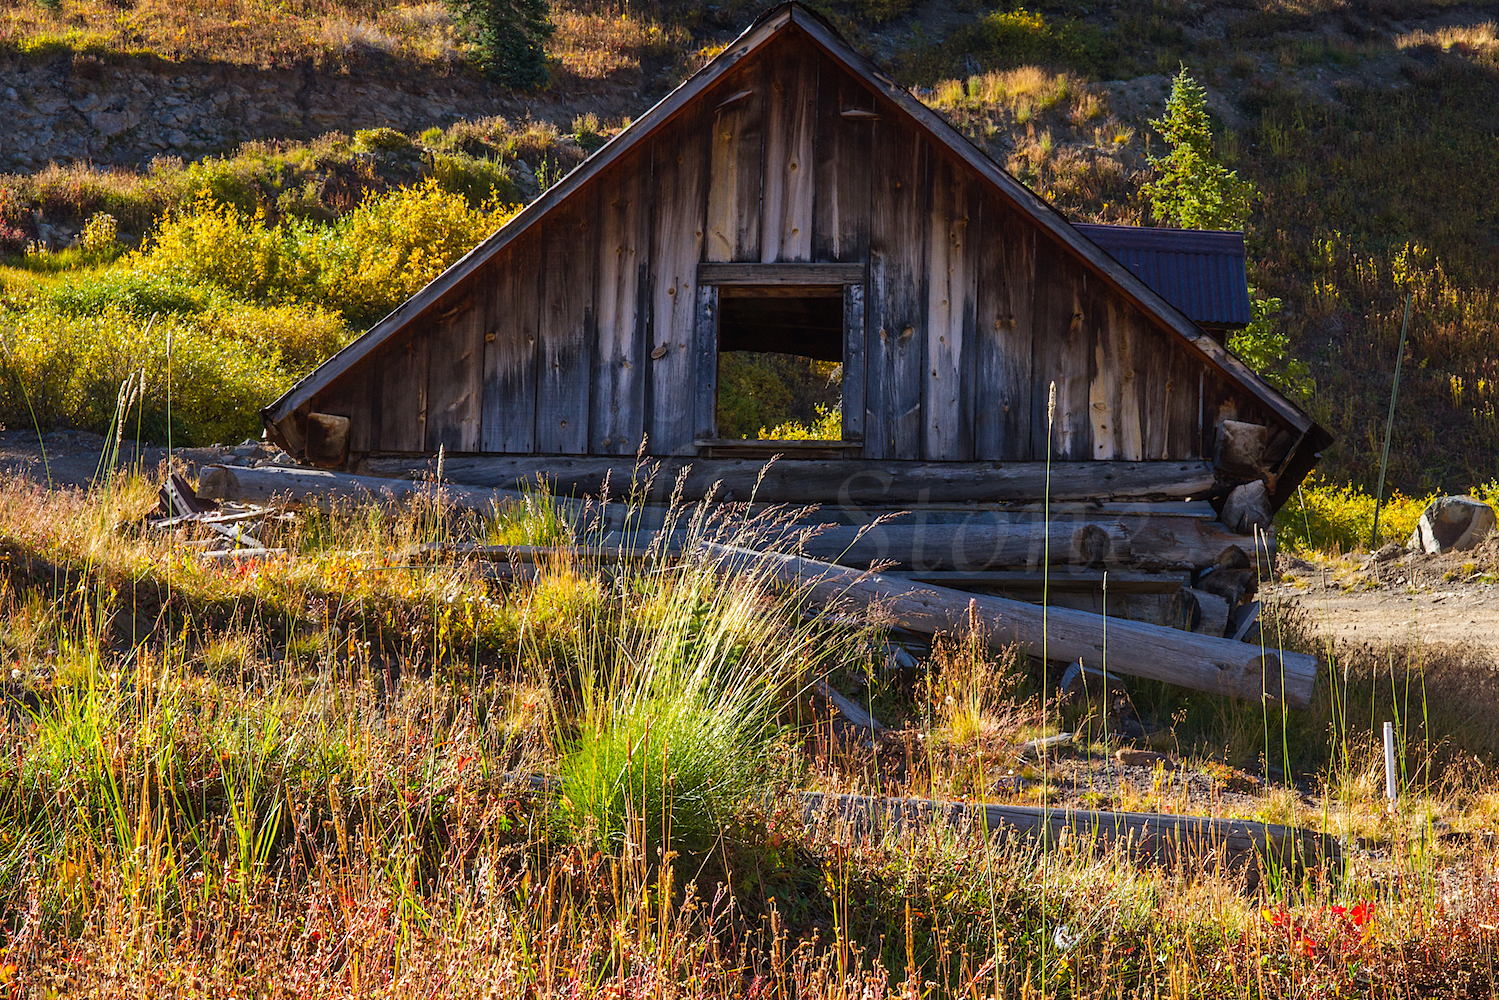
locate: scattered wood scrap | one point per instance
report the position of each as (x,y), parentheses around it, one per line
(1205,663)
(850,709)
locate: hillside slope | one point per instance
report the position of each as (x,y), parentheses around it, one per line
(1371,130)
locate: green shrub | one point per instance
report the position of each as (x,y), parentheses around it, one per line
(382,139)
(1325,517)
(1265,347)
(386,250)
(478,180)
(216,244)
(1018,37)
(137,292)
(68,369)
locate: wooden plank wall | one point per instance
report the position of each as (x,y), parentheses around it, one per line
(581,336)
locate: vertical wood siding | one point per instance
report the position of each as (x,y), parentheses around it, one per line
(581,337)
(895,303)
(952,294)
(790,174)
(565,344)
(508,422)
(1004,330)
(680,178)
(734,171)
(621,289)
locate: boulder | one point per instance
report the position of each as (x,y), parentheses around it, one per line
(1452,524)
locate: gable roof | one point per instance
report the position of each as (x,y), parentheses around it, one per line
(780,18)
(1199,271)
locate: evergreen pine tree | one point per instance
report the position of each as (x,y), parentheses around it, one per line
(511,37)
(1194,190)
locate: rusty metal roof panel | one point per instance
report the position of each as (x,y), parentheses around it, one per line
(1199,271)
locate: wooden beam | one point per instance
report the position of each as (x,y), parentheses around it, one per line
(1203,663)
(839,482)
(1159,837)
(779,274)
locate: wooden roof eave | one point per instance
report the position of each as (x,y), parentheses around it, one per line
(1054,222)
(756,35)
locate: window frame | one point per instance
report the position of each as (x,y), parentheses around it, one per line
(712,276)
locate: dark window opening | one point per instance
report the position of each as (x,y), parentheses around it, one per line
(780,362)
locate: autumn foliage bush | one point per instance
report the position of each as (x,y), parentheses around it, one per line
(234,308)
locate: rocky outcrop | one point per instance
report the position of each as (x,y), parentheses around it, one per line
(81,109)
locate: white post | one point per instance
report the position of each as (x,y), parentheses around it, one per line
(1391,785)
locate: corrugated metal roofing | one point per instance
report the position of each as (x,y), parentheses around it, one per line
(1199,271)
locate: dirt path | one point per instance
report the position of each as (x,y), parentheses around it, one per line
(1400,596)
(1468,615)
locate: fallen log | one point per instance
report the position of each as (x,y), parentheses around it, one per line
(1204,663)
(801,481)
(1158,837)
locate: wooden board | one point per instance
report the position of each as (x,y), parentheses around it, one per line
(895,299)
(1106,381)
(1004,331)
(621,293)
(680,172)
(952,274)
(1200,662)
(733,232)
(1133,333)
(400,392)
(1061,356)
(705,361)
(509,406)
(1183,407)
(456,371)
(844,153)
(565,346)
(789,181)
(854,333)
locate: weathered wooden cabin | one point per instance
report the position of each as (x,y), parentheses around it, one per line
(792,198)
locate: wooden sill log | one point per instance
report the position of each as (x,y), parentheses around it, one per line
(854,481)
(1147,542)
(270,483)
(1204,663)
(1158,837)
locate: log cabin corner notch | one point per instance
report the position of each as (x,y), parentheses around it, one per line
(790,166)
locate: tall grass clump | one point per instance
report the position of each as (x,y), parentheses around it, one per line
(681,675)
(676,719)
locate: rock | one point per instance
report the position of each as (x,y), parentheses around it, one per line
(1143,758)
(1248,508)
(1452,524)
